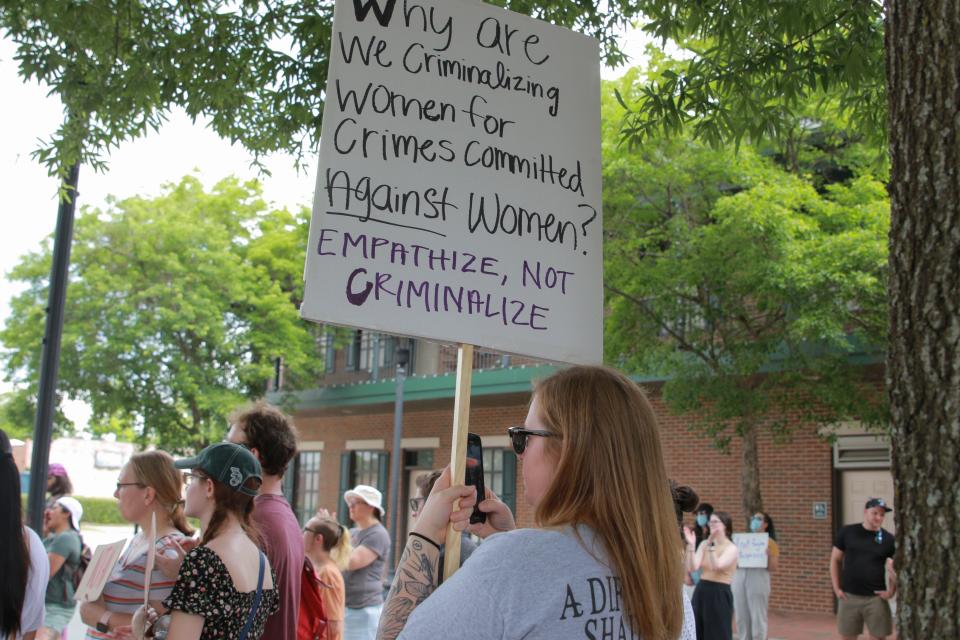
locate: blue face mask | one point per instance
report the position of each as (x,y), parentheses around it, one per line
(755,524)
(702,519)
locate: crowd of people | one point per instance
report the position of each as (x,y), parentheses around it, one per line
(608,556)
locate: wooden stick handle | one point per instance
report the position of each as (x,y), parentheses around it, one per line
(458,452)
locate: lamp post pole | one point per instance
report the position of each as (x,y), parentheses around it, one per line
(396,462)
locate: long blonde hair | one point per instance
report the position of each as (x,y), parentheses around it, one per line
(155,469)
(610,476)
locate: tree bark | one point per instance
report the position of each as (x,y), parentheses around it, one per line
(750,470)
(923,358)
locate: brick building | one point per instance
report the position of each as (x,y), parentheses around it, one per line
(809,486)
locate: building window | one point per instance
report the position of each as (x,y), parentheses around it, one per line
(308,485)
(354,350)
(329,352)
(363,467)
(500,474)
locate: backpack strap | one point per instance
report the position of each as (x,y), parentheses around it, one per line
(256,600)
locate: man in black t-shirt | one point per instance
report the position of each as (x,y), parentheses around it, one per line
(861,560)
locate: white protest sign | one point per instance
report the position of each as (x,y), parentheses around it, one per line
(151,558)
(752,549)
(458,196)
(98,571)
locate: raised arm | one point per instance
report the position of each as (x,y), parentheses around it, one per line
(725,560)
(416,578)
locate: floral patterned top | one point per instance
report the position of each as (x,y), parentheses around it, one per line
(204,588)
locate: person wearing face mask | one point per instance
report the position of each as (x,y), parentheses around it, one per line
(859,565)
(701,531)
(716,557)
(751,585)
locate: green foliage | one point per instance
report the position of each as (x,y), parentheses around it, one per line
(178,307)
(722,265)
(100,511)
(255,71)
(752,68)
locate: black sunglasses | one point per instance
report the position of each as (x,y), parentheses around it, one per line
(519,435)
(416,503)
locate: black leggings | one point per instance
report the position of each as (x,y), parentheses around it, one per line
(713,610)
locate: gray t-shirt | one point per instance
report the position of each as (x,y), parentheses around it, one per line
(364,587)
(531,584)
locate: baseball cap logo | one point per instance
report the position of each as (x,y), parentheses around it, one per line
(235,477)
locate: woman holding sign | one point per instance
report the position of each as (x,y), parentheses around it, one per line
(751,585)
(605,559)
(149,487)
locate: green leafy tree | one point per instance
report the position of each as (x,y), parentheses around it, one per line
(178,308)
(255,71)
(891,68)
(743,284)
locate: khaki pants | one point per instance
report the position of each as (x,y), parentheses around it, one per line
(856,610)
(751,597)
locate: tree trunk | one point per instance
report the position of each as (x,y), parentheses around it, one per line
(923,359)
(750,470)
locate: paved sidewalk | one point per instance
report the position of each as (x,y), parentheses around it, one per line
(792,625)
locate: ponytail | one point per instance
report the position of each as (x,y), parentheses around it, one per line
(179,519)
(336,540)
(340,553)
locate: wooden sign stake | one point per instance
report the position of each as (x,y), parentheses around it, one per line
(458,450)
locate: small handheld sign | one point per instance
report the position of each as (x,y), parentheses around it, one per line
(98,572)
(752,549)
(151,558)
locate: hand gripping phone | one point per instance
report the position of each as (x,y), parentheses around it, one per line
(474,475)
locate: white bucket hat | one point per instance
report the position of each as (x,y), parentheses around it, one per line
(74,507)
(368,494)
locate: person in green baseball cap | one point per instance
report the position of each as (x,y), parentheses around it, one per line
(225,586)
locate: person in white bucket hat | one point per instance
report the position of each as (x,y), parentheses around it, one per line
(64,547)
(366,571)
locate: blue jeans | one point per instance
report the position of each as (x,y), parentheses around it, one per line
(361,624)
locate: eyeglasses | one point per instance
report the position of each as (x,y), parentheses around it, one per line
(120,485)
(519,435)
(190,478)
(416,503)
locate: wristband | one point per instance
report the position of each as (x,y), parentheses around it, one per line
(423,537)
(103,625)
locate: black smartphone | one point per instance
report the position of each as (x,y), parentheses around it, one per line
(474,474)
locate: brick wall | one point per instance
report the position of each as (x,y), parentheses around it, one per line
(793,476)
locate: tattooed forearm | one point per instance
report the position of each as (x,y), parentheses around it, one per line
(416,578)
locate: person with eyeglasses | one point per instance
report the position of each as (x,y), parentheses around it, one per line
(605,558)
(425,484)
(148,485)
(860,564)
(322,592)
(225,588)
(716,559)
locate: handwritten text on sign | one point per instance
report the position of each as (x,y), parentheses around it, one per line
(458,194)
(752,549)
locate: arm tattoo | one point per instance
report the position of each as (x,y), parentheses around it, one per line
(416,578)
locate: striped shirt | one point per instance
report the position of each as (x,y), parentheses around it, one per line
(123,592)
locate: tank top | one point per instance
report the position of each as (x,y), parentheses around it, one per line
(708,572)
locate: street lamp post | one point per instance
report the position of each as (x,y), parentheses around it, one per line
(403,355)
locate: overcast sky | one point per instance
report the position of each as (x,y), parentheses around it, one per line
(140,167)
